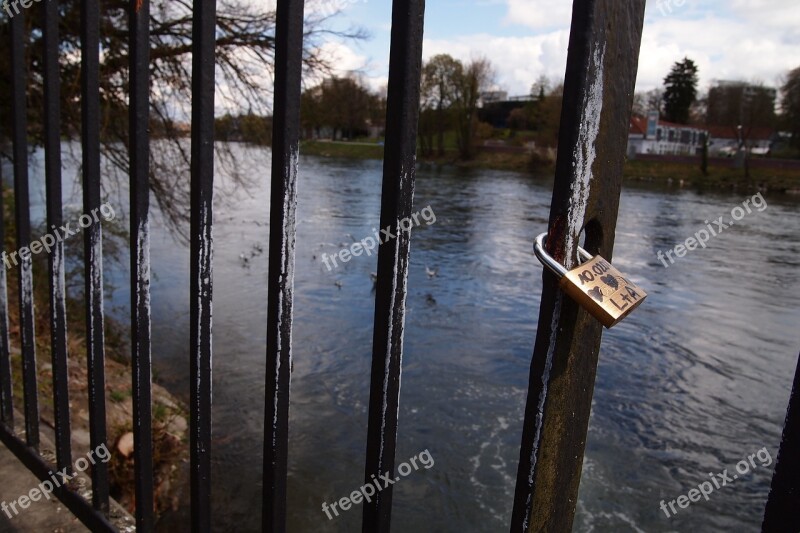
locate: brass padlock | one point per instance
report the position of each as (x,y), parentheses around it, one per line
(595,284)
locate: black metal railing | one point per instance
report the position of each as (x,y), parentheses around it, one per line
(590,38)
(398,185)
(93,514)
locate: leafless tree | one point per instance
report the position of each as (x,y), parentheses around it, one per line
(476,77)
(245,67)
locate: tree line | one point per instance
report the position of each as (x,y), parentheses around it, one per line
(345,108)
(450,108)
(344,105)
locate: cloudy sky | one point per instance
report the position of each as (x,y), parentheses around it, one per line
(728,39)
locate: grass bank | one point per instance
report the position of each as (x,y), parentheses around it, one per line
(668,173)
(362,150)
(170,419)
(722,178)
(355,150)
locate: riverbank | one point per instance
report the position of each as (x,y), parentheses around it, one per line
(170,421)
(666,172)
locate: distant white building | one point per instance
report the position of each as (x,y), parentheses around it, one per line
(487,97)
(724,141)
(651,135)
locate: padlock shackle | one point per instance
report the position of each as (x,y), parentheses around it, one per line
(547,260)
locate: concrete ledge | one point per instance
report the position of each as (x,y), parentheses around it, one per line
(44,515)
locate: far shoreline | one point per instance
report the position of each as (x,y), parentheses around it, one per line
(666,173)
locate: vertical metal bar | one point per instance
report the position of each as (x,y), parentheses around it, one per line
(93,243)
(283,204)
(140,259)
(402,114)
(19,128)
(598,89)
(6,395)
(55,219)
(202,191)
(784,495)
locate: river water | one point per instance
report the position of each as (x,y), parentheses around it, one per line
(694,381)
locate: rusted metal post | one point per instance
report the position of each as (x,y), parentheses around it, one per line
(784,496)
(598,91)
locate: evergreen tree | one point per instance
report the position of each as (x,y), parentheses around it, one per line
(680,91)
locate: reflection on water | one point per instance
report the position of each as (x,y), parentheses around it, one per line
(695,380)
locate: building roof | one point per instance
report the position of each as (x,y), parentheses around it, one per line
(638,125)
(756,133)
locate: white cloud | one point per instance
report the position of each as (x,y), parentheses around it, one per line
(723,48)
(342,57)
(518,61)
(347,61)
(737,39)
(782,16)
(328,8)
(539,14)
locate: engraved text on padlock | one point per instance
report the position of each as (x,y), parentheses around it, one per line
(602,290)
